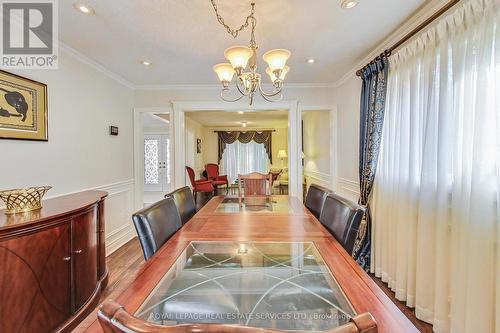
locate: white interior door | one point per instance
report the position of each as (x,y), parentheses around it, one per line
(156,163)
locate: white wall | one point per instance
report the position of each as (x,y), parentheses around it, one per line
(194,130)
(347,97)
(317,161)
(80,154)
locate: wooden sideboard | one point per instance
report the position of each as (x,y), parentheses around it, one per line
(52,264)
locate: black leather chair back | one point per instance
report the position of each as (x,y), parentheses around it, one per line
(315,198)
(184,200)
(156,224)
(342,218)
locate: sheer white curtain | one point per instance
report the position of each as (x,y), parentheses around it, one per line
(436,211)
(243,158)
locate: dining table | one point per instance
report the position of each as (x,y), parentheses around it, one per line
(268,265)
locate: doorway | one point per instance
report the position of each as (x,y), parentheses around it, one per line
(156,163)
(293,152)
(152,155)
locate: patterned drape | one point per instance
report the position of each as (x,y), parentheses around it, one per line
(373,95)
(264,137)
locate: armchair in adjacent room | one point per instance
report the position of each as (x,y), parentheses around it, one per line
(212,170)
(200,185)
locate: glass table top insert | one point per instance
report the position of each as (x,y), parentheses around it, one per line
(272,204)
(284,286)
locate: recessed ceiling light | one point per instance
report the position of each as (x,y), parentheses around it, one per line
(310,61)
(244,124)
(241,112)
(146,63)
(83,8)
(348,4)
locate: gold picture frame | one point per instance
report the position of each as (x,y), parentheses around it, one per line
(23,108)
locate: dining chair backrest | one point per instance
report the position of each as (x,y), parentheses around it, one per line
(255,184)
(315,199)
(255,189)
(342,218)
(212,170)
(114,319)
(156,224)
(191,176)
(185,203)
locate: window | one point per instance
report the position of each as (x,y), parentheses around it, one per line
(243,158)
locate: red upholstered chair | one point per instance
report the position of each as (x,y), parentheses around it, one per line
(200,185)
(213,175)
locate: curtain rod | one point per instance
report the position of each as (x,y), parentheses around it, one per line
(415,31)
(248,130)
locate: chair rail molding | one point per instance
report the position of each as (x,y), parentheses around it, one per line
(320,178)
(119,206)
(348,187)
(323,177)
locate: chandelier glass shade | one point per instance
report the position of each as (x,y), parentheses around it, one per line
(242,61)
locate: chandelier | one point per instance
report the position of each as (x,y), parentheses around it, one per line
(248,81)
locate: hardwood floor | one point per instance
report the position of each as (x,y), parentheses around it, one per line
(125,262)
(122,264)
(408,312)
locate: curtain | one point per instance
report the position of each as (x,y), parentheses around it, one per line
(264,137)
(373,94)
(436,212)
(243,158)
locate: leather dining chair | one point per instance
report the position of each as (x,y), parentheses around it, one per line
(184,201)
(114,319)
(156,224)
(315,199)
(342,218)
(212,170)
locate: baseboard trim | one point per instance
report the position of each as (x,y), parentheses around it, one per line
(127,233)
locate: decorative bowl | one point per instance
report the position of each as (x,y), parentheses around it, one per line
(24,199)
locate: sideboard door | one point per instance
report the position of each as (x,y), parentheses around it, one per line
(35,290)
(84,256)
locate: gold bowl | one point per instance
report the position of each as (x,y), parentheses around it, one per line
(24,199)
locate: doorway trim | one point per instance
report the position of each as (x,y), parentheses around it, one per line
(139,151)
(294,135)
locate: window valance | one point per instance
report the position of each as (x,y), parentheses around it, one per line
(264,137)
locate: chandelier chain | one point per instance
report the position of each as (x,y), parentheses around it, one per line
(234,32)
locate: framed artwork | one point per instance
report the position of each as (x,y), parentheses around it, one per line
(198,146)
(23,108)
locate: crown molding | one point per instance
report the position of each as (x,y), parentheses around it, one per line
(216,86)
(152,87)
(95,65)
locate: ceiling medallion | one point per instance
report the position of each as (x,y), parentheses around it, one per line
(241,57)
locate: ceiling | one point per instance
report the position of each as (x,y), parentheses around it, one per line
(183,39)
(254,119)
